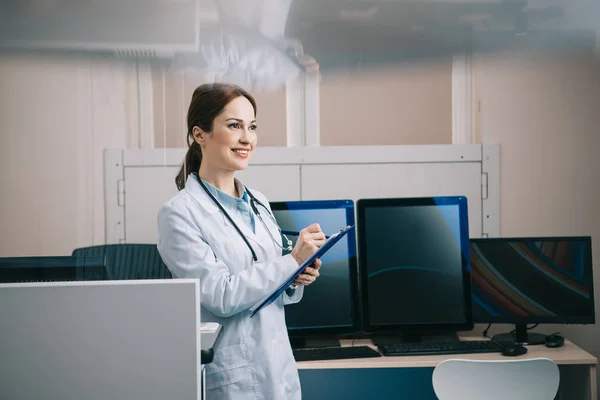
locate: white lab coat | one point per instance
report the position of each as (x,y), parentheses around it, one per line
(253,357)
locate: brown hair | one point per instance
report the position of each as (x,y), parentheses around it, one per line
(208,101)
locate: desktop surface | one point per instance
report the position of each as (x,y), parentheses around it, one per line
(385,377)
(569,354)
(329,306)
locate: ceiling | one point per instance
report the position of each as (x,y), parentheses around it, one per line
(345,32)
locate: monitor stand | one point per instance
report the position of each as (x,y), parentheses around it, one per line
(521,336)
(311,343)
(415,337)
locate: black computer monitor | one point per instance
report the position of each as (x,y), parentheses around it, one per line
(532,280)
(329,307)
(414,268)
(52,269)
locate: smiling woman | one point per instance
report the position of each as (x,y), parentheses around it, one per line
(228,145)
(221,124)
(208,231)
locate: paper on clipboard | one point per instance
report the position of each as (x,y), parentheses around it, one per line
(329,243)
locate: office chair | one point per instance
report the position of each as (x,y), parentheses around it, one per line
(528,379)
(129,261)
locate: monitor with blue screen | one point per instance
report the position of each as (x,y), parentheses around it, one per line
(329,306)
(414,266)
(532,280)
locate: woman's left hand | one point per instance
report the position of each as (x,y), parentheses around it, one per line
(309,275)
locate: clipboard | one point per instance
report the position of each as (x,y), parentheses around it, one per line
(329,243)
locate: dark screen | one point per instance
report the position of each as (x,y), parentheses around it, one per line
(328,302)
(540,279)
(52,269)
(414,265)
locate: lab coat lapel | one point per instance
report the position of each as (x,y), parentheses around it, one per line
(199,195)
(261,238)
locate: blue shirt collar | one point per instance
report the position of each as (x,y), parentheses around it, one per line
(224,198)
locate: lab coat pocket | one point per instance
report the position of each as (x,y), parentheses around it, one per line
(230,366)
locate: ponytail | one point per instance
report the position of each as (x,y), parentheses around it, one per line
(193,158)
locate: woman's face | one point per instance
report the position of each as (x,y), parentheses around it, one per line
(233,138)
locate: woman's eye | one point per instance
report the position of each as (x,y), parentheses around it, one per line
(235,126)
(253,127)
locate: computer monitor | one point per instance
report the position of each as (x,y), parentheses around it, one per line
(414,266)
(53,269)
(329,306)
(532,280)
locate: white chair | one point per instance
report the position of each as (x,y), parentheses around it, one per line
(529,379)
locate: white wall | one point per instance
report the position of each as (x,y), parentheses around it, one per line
(544,111)
(56,117)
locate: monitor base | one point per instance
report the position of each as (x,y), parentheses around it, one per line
(521,336)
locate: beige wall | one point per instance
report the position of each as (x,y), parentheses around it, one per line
(403,104)
(57,115)
(176,92)
(394,105)
(544,111)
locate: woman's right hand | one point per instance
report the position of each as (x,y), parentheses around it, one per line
(309,240)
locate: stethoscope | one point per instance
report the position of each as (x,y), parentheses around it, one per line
(253,205)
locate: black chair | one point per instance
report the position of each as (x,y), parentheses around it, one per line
(129,261)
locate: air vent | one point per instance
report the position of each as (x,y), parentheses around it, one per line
(131,28)
(143,53)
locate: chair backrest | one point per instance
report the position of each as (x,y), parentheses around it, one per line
(527,379)
(129,261)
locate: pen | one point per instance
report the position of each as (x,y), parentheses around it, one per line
(294,233)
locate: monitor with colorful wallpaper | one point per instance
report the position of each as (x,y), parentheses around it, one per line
(532,280)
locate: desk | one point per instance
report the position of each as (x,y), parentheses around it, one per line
(388,377)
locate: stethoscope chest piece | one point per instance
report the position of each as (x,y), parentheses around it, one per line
(289,244)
